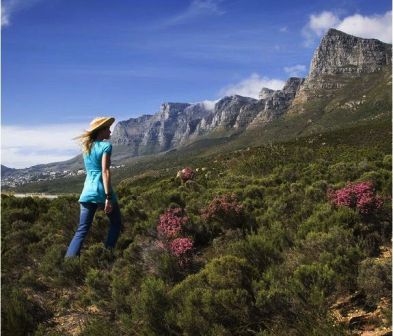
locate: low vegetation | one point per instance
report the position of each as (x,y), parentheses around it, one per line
(255,241)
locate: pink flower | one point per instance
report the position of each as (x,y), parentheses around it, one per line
(359,196)
(180,246)
(187,174)
(171,223)
(169,228)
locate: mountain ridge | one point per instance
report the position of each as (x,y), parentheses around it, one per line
(341,55)
(304,105)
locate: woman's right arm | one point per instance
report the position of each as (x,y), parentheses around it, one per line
(106,178)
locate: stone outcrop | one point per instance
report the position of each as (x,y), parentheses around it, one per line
(341,53)
(168,128)
(276,102)
(338,59)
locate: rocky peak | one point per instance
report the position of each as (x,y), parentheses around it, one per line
(171,110)
(292,85)
(265,93)
(274,103)
(340,53)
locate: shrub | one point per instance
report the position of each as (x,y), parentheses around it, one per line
(375,279)
(258,251)
(61,271)
(186,174)
(171,223)
(169,267)
(180,246)
(126,277)
(98,285)
(224,212)
(169,230)
(16,319)
(218,296)
(19,315)
(150,307)
(97,256)
(360,196)
(315,276)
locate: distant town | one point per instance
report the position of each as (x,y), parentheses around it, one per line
(18,178)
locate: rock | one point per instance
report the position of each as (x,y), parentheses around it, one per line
(339,57)
(275,103)
(340,53)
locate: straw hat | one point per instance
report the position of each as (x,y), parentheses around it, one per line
(95,125)
(100,122)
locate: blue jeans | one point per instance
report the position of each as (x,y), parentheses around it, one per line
(88,210)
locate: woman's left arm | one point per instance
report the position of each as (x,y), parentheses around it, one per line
(106,178)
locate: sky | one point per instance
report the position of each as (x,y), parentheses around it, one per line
(65,62)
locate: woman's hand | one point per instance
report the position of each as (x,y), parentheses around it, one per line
(108,206)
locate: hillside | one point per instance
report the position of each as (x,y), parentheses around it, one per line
(349,82)
(271,253)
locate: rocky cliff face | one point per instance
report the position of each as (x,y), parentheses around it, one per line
(338,59)
(341,53)
(276,102)
(169,127)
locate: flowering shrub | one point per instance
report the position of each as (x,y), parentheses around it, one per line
(360,196)
(171,222)
(170,228)
(222,207)
(180,246)
(187,174)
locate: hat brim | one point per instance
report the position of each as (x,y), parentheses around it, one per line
(105,123)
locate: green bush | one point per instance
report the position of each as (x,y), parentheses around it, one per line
(218,296)
(259,251)
(126,278)
(150,307)
(314,278)
(375,279)
(97,256)
(98,285)
(59,270)
(19,315)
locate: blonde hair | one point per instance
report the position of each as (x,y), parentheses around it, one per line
(88,137)
(86,140)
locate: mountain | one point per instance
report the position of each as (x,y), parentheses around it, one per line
(177,124)
(338,60)
(349,84)
(341,60)
(5,171)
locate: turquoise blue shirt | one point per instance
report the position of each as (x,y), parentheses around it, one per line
(93,190)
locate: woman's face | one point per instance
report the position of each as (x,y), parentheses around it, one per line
(105,133)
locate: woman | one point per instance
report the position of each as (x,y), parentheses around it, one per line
(97,191)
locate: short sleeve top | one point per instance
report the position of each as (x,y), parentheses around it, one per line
(93,189)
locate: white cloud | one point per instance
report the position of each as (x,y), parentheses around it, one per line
(5,17)
(196,9)
(296,70)
(251,86)
(317,25)
(25,146)
(377,26)
(374,26)
(10,7)
(284,29)
(209,104)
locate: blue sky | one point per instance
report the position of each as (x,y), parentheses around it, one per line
(66,61)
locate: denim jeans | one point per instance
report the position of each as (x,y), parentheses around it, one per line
(88,210)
